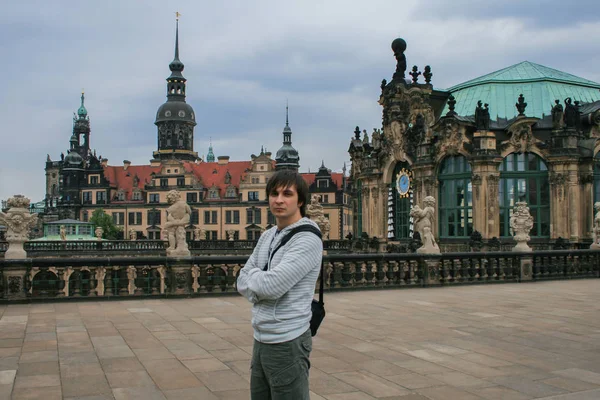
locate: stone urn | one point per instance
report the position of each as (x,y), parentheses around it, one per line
(521,223)
(18,221)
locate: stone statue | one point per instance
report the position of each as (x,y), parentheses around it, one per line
(132,234)
(99,232)
(199,233)
(178,217)
(557,115)
(424,219)
(571,114)
(231,235)
(18,220)
(63,232)
(315,212)
(596,230)
(482,117)
(376,138)
(398,47)
(521,223)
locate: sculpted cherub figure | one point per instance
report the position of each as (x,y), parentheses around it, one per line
(424,219)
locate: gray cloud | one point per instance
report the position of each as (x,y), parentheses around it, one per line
(243,60)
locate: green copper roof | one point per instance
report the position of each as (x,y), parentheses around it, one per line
(82,112)
(539,84)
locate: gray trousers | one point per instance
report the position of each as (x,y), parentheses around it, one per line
(280,371)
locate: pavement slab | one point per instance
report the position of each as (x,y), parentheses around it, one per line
(465,342)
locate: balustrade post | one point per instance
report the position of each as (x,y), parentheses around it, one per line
(180,276)
(525,268)
(431,270)
(14,282)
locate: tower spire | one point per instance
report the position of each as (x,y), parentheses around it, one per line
(287,122)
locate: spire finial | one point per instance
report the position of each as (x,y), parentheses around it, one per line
(287,122)
(177,15)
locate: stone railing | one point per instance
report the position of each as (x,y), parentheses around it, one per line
(41,278)
(82,248)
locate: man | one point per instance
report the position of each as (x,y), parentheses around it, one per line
(282,294)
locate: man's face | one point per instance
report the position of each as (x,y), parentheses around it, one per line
(284,203)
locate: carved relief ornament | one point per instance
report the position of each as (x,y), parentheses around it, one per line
(521,137)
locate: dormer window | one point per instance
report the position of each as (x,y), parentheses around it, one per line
(230,193)
(121,195)
(137,195)
(323,183)
(213,193)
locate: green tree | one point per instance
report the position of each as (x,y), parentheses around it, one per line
(105,221)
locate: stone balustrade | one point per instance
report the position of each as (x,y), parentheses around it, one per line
(62,277)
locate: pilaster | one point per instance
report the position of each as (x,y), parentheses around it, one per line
(485,178)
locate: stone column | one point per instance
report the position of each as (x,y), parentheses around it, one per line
(485,178)
(565,211)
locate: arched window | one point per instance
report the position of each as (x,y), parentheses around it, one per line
(400,200)
(524,177)
(597,178)
(455,200)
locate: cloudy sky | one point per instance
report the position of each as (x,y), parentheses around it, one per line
(243,59)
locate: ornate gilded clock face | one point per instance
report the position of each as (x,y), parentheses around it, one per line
(403,182)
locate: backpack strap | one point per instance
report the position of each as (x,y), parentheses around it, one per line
(290,234)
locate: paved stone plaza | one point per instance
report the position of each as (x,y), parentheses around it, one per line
(511,341)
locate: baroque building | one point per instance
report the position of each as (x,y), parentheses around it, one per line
(227,198)
(524,133)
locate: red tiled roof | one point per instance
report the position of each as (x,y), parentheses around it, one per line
(208,174)
(335,176)
(120,178)
(211,173)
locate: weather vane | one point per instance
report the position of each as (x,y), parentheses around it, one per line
(177,15)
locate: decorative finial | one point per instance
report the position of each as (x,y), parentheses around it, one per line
(177,15)
(415,74)
(398,47)
(357,133)
(287,123)
(521,105)
(451,104)
(427,74)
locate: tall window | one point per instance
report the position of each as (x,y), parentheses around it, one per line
(399,201)
(194,217)
(524,177)
(232,217)
(119,218)
(153,217)
(596,178)
(100,197)
(455,201)
(154,197)
(192,197)
(87,197)
(210,217)
(253,216)
(253,196)
(135,218)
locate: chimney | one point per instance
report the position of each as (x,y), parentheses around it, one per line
(104,162)
(126,164)
(223,160)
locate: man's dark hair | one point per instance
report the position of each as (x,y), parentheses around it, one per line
(287,178)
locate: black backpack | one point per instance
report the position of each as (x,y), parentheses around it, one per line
(318,307)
